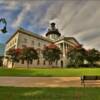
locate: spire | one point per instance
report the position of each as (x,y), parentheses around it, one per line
(53,26)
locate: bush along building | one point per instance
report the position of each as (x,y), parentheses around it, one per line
(23,39)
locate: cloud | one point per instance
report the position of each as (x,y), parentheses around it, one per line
(78,18)
(81,20)
(29,6)
(8,5)
(20,17)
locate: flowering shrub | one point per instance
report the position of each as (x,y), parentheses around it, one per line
(51,53)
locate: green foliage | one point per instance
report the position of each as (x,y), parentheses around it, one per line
(14,55)
(29,54)
(93,55)
(77,56)
(51,53)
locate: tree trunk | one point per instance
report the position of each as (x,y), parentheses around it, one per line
(28,64)
(91,64)
(12,64)
(56,63)
(7,62)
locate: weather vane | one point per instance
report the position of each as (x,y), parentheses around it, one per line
(3,20)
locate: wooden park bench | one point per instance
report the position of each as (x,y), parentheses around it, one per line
(90,79)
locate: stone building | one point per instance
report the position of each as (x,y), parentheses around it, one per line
(23,38)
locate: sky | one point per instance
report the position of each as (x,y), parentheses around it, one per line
(73,18)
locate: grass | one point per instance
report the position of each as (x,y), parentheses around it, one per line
(19,93)
(49,72)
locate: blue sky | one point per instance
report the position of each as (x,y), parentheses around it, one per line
(77,18)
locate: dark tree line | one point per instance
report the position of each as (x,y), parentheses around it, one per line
(80,57)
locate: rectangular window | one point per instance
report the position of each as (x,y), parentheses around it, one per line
(33,43)
(25,40)
(15,40)
(39,44)
(10,44)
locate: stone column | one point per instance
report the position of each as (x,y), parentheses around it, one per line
(64,55)
(63,49)
(67,45)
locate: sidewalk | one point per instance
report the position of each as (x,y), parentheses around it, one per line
(42,82)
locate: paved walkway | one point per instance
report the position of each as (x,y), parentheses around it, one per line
(42,82)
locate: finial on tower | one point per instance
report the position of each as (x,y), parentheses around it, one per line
(52,25)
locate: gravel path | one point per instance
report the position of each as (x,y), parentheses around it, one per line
(43,82)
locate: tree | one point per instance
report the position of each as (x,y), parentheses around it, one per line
(3,20)
(51,53)
(76,56)
(14,55)
(29,54)
(93,55)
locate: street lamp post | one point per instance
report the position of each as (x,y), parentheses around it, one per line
(3,20)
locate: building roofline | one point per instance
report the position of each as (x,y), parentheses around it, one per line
(73,39)
(11,37)
(23,31)
(65,38)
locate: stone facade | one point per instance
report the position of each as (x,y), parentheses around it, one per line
(23,38)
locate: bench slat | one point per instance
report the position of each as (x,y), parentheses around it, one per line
(89,77)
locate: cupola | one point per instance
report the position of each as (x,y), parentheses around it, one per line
(53,32)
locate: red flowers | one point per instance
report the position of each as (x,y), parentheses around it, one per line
(14,51)
(79,46)
(18,50)
(51,46)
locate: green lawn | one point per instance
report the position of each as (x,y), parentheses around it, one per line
(49,72)
(18,93)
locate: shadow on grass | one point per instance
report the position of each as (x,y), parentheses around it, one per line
(13,93)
